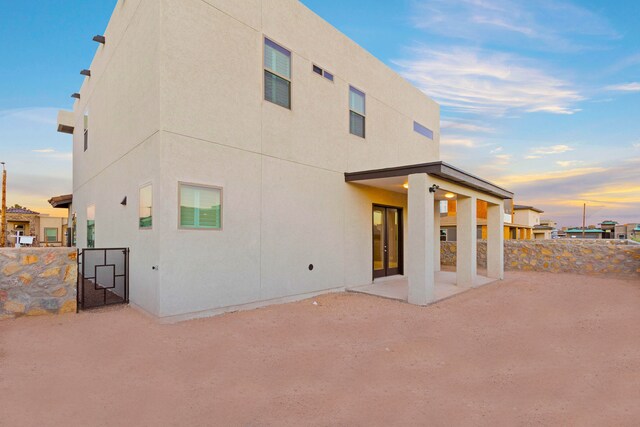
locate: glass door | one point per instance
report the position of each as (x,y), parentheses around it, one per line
(387,241)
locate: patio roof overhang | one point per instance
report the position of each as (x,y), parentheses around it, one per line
(442,170)
(63,201)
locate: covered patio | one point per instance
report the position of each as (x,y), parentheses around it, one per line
(426,185)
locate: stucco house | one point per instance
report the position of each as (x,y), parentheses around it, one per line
(249,153)
(45,229)
(587,233)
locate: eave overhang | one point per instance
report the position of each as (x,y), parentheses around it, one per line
(441,170)
(63,201)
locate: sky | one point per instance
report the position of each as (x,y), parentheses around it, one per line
(540,97)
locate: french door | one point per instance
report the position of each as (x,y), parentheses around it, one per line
(387,241)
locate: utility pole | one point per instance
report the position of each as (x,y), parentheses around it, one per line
(584,218)
(3,237)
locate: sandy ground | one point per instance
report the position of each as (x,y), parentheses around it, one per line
(534,349)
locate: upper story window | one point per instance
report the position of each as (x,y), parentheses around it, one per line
(324,73)
(145,209)
(422,130)
(356,112)
(86,131)
(277,74)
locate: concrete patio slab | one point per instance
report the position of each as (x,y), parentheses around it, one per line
(397,287)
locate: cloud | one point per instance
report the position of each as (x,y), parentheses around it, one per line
(536,177)
(636,145)
(485,82)
(568,163)
(502,159)
(458,140)
(550,25)
(625,87)
(611,191)
(553,149)
(53,154)
(465,126)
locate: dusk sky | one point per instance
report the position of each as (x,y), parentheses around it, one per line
(540,97)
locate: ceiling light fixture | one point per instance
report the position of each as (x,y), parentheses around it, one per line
(449,195)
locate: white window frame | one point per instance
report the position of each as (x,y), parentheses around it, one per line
(207,187)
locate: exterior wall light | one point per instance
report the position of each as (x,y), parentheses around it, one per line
(86,73)
(99,39)
(75,95)
(406,185)
(433,188)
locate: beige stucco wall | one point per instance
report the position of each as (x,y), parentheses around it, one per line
(526,217)
(176,95)
(52,222)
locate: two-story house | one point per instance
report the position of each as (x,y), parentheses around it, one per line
(248,152)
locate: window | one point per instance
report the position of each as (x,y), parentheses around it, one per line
(86,132)
(327,75)
(50,235)
(444,207)
(417,127)
(200,207)
(277,74)
(91,226)
(145,207)
(356,112)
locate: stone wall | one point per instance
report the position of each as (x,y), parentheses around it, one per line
(36,281)
(580,256)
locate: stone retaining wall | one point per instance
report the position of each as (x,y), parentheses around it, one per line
(37,281)
(580,256)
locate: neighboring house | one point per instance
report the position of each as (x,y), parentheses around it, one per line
(66,202)
(627,231)
(248,152)
(21,221)
(448,224)
(53,231)
(589,233)
(46,230)
(547,229)
(608,228)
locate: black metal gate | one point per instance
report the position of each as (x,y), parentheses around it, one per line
(103,277)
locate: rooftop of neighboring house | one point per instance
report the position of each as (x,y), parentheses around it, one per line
(542,227)
(22,211)
(588,230)
(608,222)
(524,207)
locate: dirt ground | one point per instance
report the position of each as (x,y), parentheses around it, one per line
(535,349)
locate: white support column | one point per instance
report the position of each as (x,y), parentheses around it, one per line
(420,255)
(436,235)
(467,234)
(495,241)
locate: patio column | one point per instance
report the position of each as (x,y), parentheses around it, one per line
(420,254)
(436,235)
(467,236)
(495,241)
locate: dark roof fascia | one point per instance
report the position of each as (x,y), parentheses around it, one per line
(439,169)
(523,207)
